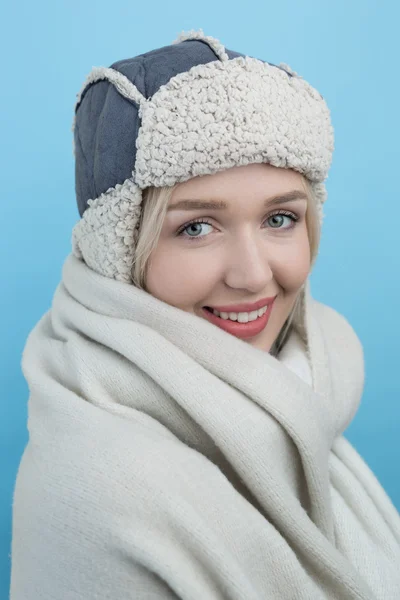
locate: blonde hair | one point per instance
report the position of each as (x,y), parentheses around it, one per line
(154,208)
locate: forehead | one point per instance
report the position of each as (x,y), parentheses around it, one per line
(258,182)
(253,177)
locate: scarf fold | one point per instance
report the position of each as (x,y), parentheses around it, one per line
(169,459)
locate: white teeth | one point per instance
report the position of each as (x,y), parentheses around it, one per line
(242,317)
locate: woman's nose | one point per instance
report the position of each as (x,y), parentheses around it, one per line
(248,267)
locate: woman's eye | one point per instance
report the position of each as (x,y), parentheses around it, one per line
(276,221)
(193,225)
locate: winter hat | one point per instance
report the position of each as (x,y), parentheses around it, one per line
(189,109)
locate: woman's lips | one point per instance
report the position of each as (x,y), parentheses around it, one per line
(245,306)
(241,330)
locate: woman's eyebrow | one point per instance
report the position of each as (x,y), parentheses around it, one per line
(221,204)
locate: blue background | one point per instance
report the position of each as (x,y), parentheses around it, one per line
(347,50)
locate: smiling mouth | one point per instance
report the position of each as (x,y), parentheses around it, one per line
(243,328)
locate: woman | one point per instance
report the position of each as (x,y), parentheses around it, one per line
(188,397)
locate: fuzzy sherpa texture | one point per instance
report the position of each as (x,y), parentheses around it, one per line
(231,113)
(106,236)
(168,459)
(215,116)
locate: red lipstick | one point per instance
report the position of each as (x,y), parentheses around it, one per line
(242,330)
(245,307)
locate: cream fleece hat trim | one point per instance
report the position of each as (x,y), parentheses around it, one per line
(214,116)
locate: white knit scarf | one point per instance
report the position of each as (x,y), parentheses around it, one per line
(169,459)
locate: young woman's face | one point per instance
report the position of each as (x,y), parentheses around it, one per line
(250,250)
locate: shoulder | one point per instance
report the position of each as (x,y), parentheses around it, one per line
(136,468)
(339,330)
(343,346)
(124,492)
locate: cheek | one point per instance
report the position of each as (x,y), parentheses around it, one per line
(292,264)
(179,278)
